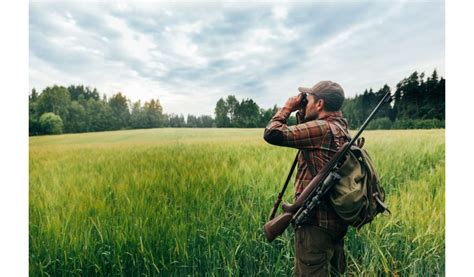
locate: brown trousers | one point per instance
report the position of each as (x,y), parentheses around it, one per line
(319,251)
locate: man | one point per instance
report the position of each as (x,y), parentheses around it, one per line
(319,244)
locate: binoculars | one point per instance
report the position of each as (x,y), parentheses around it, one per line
(304,101)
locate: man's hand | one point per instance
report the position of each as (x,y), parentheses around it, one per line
(294,102)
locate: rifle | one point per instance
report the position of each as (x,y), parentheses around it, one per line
(317,189)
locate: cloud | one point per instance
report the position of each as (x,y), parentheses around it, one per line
(190,55)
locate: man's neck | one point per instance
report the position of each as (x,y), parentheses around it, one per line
(323,114)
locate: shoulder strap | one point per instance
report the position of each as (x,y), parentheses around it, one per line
(332,126)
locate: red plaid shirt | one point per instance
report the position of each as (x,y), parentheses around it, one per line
(321,143)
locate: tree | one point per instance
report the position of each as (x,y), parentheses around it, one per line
(246,114)
(266,115)
(33,121)
(221,112)
(77,119)
(118,104)
(192,121)
(176,120)
(51,124)
(33,96)
(153,113)
(137,116)
(80,91)
(55,100)
(206,121)
(98,115)
(385,111)
(232,105)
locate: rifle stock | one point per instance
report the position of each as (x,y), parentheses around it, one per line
(277,226)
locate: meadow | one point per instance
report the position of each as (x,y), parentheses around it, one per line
(192,202)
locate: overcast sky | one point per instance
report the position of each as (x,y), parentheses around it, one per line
(190,55)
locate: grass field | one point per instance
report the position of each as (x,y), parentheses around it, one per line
(178,202)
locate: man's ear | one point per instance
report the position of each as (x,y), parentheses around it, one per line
(320,105)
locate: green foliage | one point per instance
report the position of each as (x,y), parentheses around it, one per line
(243,114)
(51,124)
(414,99)
(246,114)
(174,202)
(137,116)
(380,123)
(418,124)
(82,110)
(33,118)
(99,115)
(429,124)
(77,119)
(203,121)
(267,114)
(118,104)
(55,100)
(175,120)
(221,113)
(232,105)
(86,93)
(153,113)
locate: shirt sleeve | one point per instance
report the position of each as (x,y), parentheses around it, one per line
(306,135)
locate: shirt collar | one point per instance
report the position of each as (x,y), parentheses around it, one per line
(331,115)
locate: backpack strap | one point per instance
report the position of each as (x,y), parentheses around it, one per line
(332,127)
(306,156)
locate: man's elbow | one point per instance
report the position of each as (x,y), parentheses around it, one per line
(273,136)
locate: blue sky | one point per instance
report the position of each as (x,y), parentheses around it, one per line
(190,55)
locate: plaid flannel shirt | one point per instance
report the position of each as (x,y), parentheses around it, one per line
(319,141)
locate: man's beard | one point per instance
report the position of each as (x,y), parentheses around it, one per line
(312,115)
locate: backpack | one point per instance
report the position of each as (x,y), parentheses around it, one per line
(358,197)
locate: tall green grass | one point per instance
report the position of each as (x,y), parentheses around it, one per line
(193,201)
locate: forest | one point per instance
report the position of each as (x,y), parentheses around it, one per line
(419,103)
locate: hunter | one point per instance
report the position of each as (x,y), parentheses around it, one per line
(319,244)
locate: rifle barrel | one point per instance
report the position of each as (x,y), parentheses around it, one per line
(366,122)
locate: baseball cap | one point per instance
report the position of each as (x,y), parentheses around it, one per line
(331,92)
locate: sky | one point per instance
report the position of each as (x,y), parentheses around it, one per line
(190,55)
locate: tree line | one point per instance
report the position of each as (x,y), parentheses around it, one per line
(77,109)
(419,103)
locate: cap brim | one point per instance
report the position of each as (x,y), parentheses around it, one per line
(304,90)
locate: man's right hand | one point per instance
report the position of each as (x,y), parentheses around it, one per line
(294,103)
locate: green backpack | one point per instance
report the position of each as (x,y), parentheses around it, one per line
(358,197)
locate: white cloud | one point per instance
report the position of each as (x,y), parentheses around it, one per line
(280,13)
(189,56)
(178,42)
(132,44)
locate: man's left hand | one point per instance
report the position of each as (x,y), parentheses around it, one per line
(294,102)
